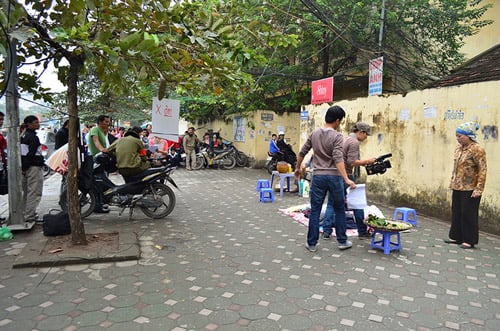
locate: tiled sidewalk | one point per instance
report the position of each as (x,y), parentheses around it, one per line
(228,262)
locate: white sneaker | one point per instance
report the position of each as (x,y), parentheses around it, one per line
(345,245)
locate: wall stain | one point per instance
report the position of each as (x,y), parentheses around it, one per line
(490,131)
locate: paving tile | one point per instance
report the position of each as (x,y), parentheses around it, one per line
(228,264)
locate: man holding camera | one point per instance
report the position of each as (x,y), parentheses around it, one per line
(360,133)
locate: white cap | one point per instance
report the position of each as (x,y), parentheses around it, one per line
(281,133)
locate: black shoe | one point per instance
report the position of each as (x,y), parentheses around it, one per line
(101,211)
(452,241)
(364,235)
(326,236)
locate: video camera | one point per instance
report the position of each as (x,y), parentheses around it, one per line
(380,166)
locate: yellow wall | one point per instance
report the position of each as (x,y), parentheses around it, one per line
(258,131)
(419,130)
(488,36)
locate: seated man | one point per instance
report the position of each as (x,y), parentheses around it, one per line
(130,153)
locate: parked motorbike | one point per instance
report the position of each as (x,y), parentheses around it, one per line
(148,190)
(240,157)
(223,160)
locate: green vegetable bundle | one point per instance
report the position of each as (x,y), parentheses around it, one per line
(383,224)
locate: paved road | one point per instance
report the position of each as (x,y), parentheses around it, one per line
(229,262)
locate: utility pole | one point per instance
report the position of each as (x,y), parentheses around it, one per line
(16,205)
(381,31)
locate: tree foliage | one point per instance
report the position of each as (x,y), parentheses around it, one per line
(129,44)
(237,56)
(421,41)
(93,101)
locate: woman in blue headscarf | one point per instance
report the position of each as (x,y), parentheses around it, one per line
(467,182)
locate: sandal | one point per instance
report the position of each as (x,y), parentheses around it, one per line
(452,241)
(466,246)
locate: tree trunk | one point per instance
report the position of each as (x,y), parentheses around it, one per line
(78,236)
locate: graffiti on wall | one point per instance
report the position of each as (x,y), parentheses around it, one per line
(490,132)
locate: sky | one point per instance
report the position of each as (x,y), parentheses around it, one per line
(49,80)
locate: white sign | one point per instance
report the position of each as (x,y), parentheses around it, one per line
(430,112)
(165,115)
(404,114)
(376,73)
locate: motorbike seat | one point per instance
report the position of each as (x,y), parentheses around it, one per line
(219,151)
(141,175)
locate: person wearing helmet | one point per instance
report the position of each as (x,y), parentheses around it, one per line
(289,155)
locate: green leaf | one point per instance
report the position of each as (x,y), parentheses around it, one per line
(217,24)
(130,41)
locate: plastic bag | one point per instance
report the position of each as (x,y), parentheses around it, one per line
(356,199)
(373,210)
(58,161)
(5,234)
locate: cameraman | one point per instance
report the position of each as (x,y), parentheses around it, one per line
(360,133)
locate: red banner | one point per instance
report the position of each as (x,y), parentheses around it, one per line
(322,91)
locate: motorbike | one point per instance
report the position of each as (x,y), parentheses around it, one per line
(240,157)
(272,162)
(223,160)
(148,190)
(286,154)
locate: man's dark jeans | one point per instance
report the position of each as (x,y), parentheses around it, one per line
(334,186)
(329,218)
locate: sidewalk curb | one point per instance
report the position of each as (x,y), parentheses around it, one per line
(30,257)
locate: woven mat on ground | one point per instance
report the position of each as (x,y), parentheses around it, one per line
(296,212)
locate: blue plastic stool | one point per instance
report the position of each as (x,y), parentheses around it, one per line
(385,243)
(266,194)
(262,183)
(404,213)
